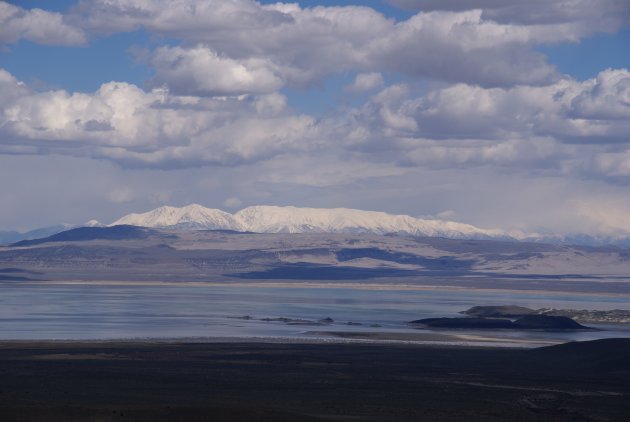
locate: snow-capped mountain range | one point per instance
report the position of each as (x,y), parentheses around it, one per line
(274,219)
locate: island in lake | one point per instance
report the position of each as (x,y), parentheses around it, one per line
(528,322)
(616,316)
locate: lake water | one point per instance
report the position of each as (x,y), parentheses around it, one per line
(84,311)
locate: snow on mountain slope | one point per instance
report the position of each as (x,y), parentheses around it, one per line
(273,219)
(191,217)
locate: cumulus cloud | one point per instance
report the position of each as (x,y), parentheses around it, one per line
(569,126)
(606,97)
(558,126)
(307,43)
(567,109)
(243,47)
(299,46)
(36,25)
(133,127)
(466,47)
(201,71)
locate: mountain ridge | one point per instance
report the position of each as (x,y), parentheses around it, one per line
(289,219)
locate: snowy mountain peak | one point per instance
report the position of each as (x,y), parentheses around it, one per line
(275,219)
(192,217)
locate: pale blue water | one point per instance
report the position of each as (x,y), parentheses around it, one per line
(31,311)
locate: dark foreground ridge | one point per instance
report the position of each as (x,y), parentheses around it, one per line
(312,382)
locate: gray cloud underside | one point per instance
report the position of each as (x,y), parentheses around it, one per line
(600,15)
(240,46)
(283,44)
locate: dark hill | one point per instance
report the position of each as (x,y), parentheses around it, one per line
(592,349)
(122,232)
(548,322)
(508,311)
(529,322)
(610,355)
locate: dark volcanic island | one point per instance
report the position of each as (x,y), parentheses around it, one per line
(527,322)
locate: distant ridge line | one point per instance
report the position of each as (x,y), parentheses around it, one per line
(276,219)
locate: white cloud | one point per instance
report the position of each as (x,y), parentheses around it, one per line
(300,46)
(123,123)
(587,15)
(242,46)
(606,97)
(552,127)
(567,128)
(36,25)
(304,43)
(463,47)
(201,71)
(592,111)
(448,153)
(364,82)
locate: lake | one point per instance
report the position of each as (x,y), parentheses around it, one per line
(171,311)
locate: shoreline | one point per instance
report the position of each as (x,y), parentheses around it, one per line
(321,337)
(312,285)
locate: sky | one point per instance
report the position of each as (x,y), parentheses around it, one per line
(498,113)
